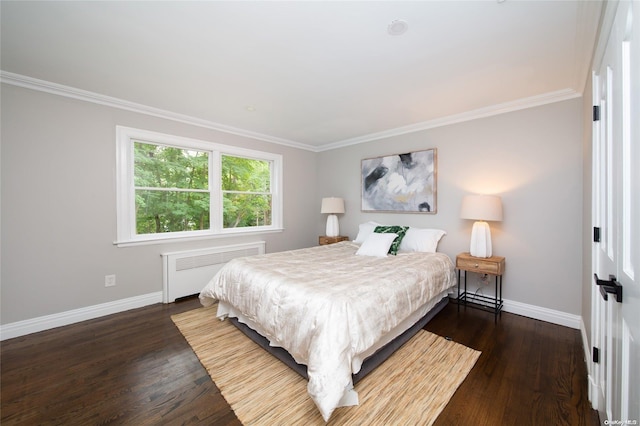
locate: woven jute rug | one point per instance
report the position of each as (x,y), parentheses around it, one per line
(410,388)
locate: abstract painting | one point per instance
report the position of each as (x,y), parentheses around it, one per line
(401,183)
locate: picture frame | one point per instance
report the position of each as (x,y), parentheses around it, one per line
(400,183)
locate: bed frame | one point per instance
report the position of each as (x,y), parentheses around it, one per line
(368,365)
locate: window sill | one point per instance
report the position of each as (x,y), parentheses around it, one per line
(144,241)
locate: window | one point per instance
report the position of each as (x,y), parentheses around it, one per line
(246,192)
(171,187)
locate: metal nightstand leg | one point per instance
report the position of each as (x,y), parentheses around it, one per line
(462,297)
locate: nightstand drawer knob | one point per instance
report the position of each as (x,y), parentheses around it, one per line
(476,265)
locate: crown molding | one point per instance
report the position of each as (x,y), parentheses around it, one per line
(524,103)
(87,96)
(97,98)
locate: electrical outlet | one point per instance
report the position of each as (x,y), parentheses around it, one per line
(109,280)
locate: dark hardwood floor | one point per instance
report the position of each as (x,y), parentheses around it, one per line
(530,372)
(135,368)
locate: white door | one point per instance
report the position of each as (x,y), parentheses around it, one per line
(616,213)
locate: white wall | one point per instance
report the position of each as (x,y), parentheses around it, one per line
(532,158)
(58,200)
(58,205)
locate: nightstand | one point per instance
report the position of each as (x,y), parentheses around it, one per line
(324,240)
(493,265)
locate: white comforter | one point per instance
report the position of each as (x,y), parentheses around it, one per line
(325,305)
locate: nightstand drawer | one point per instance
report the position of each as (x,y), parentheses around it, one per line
(324,240)
(480,265)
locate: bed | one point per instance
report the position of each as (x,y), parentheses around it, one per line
(331,309)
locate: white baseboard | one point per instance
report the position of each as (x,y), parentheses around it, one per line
(588,359)
(34,325)
(539,313)
(543,314)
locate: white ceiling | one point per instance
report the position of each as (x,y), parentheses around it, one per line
(316,74)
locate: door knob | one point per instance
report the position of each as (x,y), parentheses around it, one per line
(610,286)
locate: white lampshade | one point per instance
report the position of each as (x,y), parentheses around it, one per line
(332,205)
(481,208)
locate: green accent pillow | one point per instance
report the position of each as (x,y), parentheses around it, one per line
(400,230)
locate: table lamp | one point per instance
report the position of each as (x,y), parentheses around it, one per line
(481,208)
(332,205)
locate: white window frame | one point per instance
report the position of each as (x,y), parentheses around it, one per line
(125,190)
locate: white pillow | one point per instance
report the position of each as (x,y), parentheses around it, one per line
(365,230)
(421,240)
(376,244)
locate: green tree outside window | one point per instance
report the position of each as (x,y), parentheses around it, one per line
(246,191)
(173,193)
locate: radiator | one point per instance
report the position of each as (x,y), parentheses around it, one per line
(185,273)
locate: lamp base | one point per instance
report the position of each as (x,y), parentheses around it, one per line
(480,240)
(333,229)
